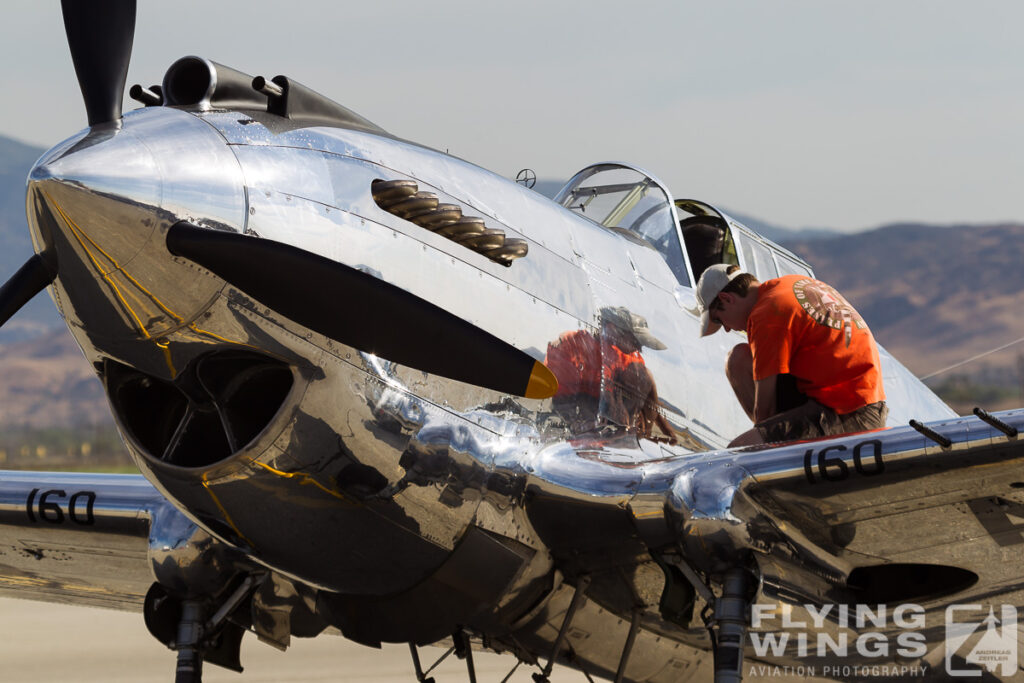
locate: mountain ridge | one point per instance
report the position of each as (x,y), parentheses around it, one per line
(932,295)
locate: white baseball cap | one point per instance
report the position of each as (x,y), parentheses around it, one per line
(712,282)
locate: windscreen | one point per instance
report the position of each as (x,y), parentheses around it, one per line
(625,199)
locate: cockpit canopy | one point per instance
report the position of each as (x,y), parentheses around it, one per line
(629,202)
(690,235)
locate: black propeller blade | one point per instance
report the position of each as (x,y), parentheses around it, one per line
(100,34)
(31,278)
(357,309)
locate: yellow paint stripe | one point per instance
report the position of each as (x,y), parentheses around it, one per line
(117,266)
(30,582)
(223,511)
(74,231)
(80,234)
(304,479)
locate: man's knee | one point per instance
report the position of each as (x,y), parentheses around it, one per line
(739,362)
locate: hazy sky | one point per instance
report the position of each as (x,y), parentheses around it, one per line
(802,113)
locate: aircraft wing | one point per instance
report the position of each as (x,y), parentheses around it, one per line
(891,517)
(895,517)
(79,538)
(830,506)
(952,501)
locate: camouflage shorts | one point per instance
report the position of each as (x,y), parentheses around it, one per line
(812,420)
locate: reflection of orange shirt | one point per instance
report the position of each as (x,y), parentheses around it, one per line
(616,360)
(575,361)
(582,364)
(806,328)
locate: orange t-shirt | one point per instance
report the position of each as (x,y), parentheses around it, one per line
(805,328)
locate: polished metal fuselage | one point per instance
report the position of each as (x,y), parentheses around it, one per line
(375,484)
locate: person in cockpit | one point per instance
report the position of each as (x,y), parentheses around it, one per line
(810,367)
(705,241)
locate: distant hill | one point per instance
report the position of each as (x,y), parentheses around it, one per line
(549,188)
(44,379)
(778,233)
(46,382)
(39,315)
(933,296)
(16,159)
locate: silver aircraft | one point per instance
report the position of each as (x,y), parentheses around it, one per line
(376,390)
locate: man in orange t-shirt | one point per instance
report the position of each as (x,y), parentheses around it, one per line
(811,366)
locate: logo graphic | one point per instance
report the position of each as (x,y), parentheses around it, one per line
(827,307)
(990,643)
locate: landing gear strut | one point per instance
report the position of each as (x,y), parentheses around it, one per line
(196,631)
(421,676)
(462,648)
(189,643)
(730,622)
(577,599)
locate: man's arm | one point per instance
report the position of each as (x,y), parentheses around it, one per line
(764,398)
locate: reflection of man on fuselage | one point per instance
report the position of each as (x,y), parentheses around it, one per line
(605,381)
(810,367)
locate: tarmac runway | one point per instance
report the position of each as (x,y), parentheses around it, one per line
(47,643)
